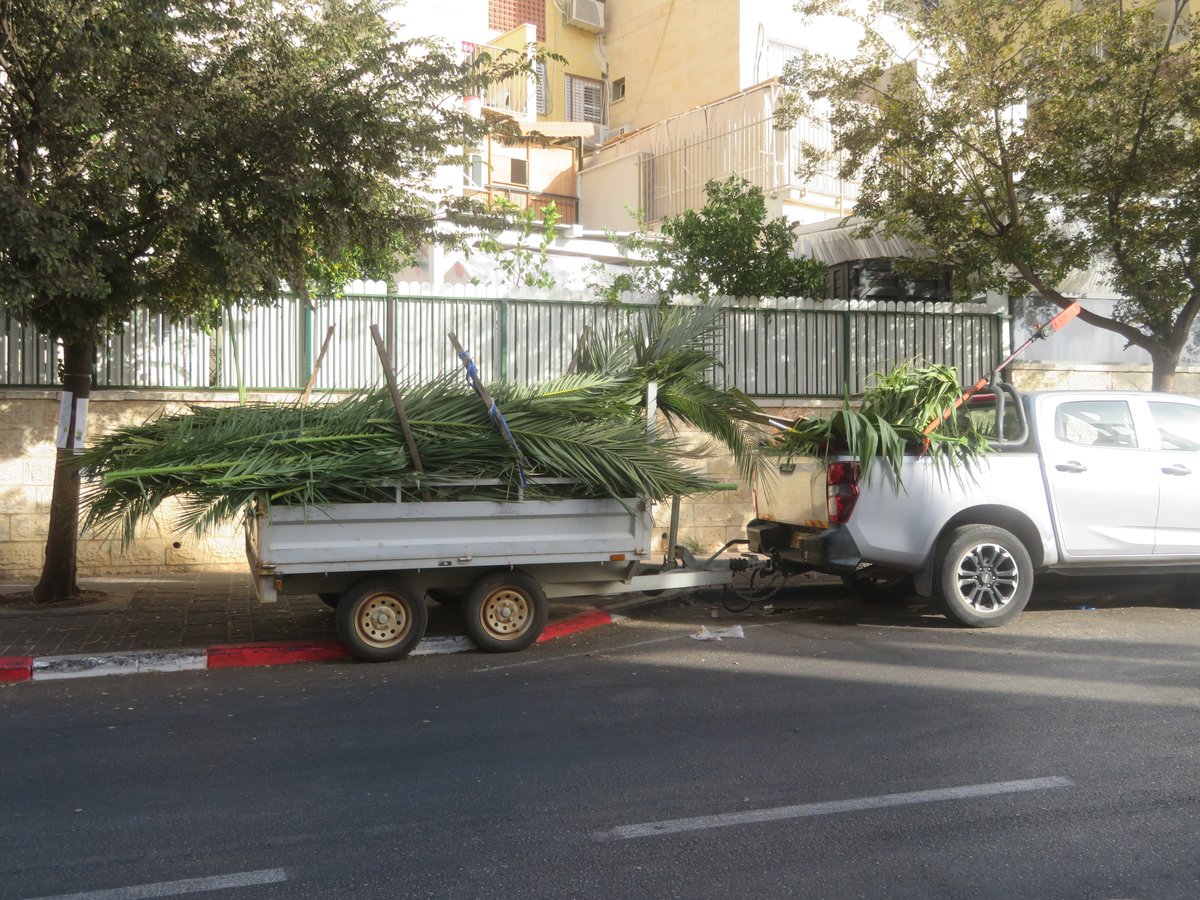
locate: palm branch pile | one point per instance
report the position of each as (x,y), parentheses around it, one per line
(890,419)
(582,435)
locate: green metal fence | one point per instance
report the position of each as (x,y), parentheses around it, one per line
(795,349)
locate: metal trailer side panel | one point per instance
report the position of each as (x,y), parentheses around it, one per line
(396,536)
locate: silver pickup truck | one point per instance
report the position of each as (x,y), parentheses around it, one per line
(1080,482)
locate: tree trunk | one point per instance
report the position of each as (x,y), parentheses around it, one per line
(1165,362)
(58,570)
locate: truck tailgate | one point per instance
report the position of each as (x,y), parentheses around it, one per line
(795,494)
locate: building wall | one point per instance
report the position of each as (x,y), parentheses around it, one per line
(672,55)
(582,52)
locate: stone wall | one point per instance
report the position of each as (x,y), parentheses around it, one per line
(1048,376)
(28,419)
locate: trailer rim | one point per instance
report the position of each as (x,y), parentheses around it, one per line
(506,611)
(381,620)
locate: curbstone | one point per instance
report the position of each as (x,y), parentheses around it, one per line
(263,653)
(88,665)
(16,668)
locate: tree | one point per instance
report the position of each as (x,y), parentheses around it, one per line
(1019,140)
(182,156)
(726,249)
(524,264)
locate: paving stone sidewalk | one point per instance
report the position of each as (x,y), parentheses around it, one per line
(165,612)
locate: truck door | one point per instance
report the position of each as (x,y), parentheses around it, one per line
(1103,486)
(1178,469)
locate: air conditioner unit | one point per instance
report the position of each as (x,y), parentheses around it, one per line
(587,14)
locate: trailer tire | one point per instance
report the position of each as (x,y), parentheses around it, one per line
(983,576)
(381,619)
(505,611)
(330,600)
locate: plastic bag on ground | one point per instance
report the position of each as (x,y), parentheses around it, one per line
(705,635)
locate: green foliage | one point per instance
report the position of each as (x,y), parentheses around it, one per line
(1027,140)
(729,249)
(646,272)
(891,418)
(726,249)
(183,156)
(674,347)
(588,427)
(219,461)
(526,263)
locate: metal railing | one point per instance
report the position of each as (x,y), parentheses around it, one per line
(794,349)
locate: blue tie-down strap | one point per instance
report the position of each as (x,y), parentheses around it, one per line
(494,414)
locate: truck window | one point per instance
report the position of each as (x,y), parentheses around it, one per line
(1178,425)
(1095,423)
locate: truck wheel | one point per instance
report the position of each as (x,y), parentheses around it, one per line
(505,611)
(983,576)
(875,584)
(380,620)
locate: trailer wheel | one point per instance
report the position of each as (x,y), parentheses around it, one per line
(505,611)
(330,600)
(381,619)
(982,576)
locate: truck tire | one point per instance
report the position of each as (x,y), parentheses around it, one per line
(982,576)
(381,619)
(505,611)
(874,584)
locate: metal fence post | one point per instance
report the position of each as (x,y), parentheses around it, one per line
(503,323)
(846,325)
(306,355)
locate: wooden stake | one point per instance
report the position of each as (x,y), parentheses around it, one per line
(397,399)
(312,379)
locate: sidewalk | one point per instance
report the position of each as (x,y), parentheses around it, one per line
(171,622)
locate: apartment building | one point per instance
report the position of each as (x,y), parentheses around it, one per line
(692,93)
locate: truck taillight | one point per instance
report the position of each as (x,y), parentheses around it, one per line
(841,491)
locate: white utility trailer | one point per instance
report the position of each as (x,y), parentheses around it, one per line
(377,562)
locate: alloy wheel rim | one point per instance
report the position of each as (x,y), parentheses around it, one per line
(988,577)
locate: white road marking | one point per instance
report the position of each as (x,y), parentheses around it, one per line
(807,810)
(607,651)
(178,888)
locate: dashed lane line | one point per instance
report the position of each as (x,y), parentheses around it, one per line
(179,888)
(807,810)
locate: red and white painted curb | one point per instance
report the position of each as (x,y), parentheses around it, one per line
(263,653)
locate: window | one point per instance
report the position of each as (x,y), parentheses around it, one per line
(519,173)
(1178,425)
(585,100)
(1096,423)
(543,90)
(618,90)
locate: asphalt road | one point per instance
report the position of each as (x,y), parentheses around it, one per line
(836,750)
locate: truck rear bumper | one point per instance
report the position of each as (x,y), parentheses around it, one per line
(801,549)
